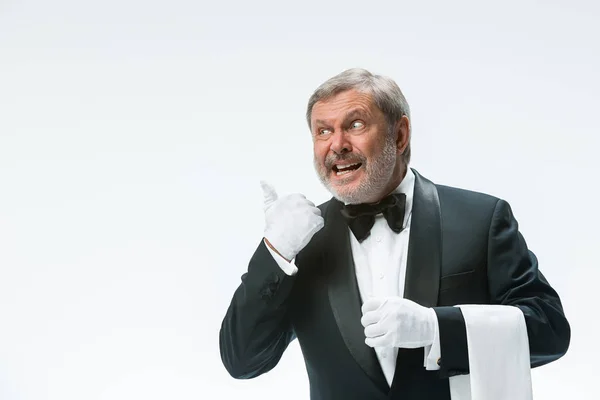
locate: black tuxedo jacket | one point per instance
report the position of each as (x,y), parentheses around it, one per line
(464,248)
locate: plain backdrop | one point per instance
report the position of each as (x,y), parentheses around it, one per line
(134,134)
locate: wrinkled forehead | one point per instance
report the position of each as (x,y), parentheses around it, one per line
(338,106)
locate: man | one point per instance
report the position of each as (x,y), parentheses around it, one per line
(368,280)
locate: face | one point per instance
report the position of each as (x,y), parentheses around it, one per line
(355,156)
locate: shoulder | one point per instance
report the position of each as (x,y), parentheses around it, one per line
(455,194)
(461,204)
(466,196)
(466,207)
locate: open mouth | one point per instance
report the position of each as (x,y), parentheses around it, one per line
(344,169)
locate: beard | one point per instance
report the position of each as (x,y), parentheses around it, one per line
(378,173)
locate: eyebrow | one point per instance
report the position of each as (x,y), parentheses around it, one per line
(350,114)
(357,112)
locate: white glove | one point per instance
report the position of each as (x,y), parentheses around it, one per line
(397,322)
(290,222)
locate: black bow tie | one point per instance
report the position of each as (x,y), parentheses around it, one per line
(361,217)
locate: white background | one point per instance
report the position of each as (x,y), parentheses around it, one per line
(133,135)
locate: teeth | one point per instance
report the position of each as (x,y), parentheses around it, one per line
(339,166)
(343,172)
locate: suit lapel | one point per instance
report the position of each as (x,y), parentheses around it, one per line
(344,295)
(424,261)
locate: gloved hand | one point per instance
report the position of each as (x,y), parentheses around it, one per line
(290,221)
(397,322)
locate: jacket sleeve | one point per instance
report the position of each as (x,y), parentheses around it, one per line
(513,280)
(256,330)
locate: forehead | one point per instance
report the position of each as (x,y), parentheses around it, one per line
(337,106)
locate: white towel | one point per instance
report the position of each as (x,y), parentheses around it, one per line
(499,367)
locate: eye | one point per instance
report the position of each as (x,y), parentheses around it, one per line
(323,132)
(357,125)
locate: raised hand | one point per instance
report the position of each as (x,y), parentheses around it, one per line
(290,221)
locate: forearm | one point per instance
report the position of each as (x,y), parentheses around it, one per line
(256,329)
(548,334)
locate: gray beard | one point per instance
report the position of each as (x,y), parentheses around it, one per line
(378,172)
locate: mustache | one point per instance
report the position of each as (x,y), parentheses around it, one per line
(349,158)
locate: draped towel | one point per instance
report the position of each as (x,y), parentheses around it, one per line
(499,367)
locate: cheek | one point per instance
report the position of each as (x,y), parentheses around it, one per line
(320,151)
(363,148)
(370,148)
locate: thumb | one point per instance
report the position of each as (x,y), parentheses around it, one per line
(269,193)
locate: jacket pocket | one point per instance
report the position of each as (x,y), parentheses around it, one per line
(456,280)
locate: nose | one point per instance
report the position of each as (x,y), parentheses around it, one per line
(340,143)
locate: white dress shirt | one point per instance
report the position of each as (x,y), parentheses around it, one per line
(380,267)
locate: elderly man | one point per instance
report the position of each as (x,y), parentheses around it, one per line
(369,280)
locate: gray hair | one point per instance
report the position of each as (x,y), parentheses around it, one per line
(385,92)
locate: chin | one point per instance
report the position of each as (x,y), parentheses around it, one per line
(347,192)
(344,184)
(347,188)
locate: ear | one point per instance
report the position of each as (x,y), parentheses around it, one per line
(402,129)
